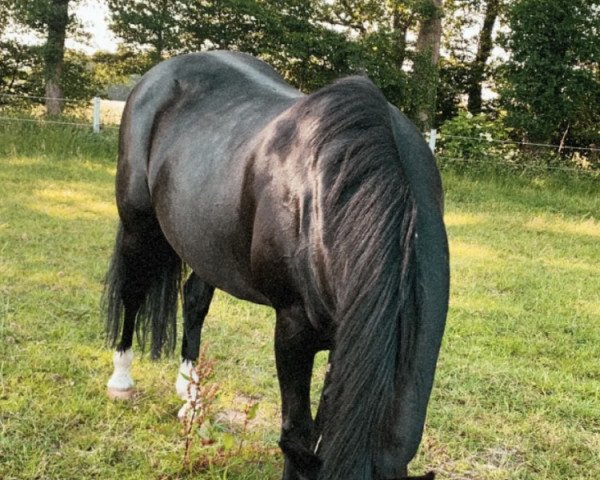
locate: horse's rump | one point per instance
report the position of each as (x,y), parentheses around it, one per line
(187,127)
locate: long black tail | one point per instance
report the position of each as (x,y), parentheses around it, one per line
(373,215)
(144,276)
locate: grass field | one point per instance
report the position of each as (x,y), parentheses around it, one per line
(517,392)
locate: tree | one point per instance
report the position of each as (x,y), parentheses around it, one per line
(404,17)
(453,80)
(379,31)
(116,73)
(551,85)
(57,20)
(77,77)
(424,77)
(484,50)
(149,25)
(390,20)
(284,33)
(4,19)
(51,19)
(308,54)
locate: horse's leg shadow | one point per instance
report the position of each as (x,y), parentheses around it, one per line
(295,347)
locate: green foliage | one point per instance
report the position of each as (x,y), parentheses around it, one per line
(292,35)
(78,76)
(426,9)
(424,79)
(453,83)
(154,25)
(375,56)
(468,41)
(375,41)
(51,19)
(34,14)
(550,87)
(380,32)
(117,73)
(551,83)
(472,141)
(16,64)
(4,19)
(481,142)
(24,74)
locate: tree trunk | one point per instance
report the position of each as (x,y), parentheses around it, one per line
(430,33)
(425,69)
(54,53)
(400,25)
(484,49)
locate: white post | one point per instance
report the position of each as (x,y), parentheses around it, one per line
(432,139)
(96,115)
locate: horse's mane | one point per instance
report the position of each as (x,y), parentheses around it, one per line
(368,218)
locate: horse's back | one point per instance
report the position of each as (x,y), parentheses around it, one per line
(195,94)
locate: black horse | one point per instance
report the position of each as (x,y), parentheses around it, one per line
(327,207)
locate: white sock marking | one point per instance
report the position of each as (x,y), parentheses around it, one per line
(121,377)
(182,385)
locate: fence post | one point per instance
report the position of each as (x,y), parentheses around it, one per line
(96,115)
(432,139)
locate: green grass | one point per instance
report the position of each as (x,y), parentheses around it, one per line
(517,392)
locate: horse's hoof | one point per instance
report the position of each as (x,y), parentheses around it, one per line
(185,412)
(116,394)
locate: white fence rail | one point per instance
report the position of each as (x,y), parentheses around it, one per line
(98,114)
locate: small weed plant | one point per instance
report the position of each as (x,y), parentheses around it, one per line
(200,421)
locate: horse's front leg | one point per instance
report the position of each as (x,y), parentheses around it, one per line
(197,296)
(295,349)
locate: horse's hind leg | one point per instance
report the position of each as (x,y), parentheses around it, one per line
(131,286)
(296,344)
(197,296)
(143,266)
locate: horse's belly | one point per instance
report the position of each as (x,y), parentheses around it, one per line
(206,232)
(215,269)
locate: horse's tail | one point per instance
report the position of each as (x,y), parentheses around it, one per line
(387,341)
(144,273)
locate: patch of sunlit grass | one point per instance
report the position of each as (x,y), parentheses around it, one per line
(559,225)
(455,219)
(473,251)
(581,266)
(70,203)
